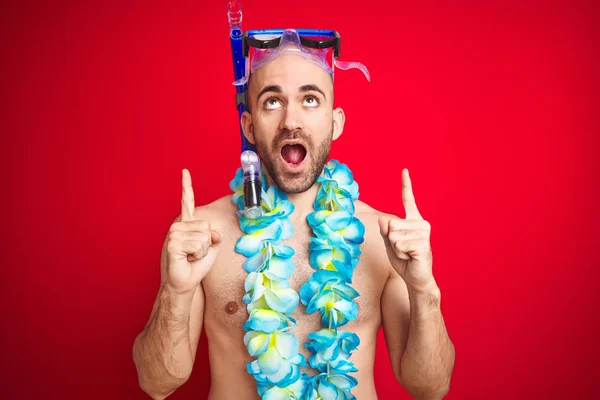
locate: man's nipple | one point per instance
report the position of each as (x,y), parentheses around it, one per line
(231,307)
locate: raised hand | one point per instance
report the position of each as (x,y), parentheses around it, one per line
(408,241)
(192,245)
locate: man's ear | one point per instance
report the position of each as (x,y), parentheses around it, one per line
(339,118)
(248,127)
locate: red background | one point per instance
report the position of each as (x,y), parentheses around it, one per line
(492,107)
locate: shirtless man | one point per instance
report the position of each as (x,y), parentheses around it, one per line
(202,279)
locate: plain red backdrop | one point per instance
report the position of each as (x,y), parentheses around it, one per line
(492,107)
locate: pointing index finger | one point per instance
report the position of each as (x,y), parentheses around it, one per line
(408,198)
(187,196)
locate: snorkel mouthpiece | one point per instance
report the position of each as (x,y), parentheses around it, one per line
(252,186)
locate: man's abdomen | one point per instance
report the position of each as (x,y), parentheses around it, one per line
(228,358)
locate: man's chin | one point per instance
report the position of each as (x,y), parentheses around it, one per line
(293,180)
(293,183)
(295,189)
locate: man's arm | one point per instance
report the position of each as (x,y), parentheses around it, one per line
(421,353)
(165,351)
(425,366)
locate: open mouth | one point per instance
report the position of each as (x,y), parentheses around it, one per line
(293,154)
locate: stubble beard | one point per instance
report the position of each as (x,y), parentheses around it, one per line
(271,159)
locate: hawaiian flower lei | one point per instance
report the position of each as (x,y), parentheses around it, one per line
(334,254)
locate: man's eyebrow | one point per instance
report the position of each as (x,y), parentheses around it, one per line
(310,88)
(269,88)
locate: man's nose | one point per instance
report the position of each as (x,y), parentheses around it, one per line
(292,118)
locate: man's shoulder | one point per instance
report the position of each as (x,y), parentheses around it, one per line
(219,211)
(365,211)
(373,247)
(369,216)
(221,204)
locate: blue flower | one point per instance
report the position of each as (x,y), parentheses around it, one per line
(274,260)
(338,259)
(272,368)
(327,292)
(337,226)
(331,387)
(338,189)
(330,197)
(334,348)
(268,321)
(277,294)
(340,174)
(250,244)
(295,391)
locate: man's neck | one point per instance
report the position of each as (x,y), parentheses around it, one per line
(303,202)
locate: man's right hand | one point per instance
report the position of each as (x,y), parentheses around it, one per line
(192,246)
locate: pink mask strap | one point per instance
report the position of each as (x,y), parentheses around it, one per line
(352,64)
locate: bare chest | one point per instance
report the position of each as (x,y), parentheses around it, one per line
(224,288)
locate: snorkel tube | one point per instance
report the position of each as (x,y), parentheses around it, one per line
(234,15)
(249,158)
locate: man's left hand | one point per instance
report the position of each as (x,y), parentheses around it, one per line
(407,242)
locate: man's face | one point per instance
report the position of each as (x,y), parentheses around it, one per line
(292,122)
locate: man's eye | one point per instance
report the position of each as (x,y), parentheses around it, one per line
(311,101)
(272,103)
